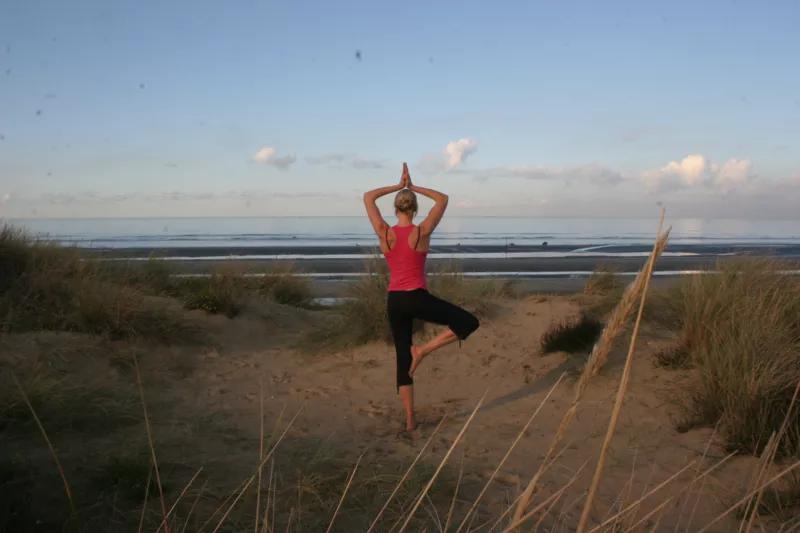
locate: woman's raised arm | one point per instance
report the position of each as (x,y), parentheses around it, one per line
(436,213)
(378,224)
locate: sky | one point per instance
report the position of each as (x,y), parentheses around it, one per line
(295,108)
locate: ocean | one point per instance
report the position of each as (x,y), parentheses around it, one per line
(315,232)
(335,246)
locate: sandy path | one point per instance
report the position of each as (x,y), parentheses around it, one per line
(351,397)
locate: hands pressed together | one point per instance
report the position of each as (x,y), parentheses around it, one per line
(405,178)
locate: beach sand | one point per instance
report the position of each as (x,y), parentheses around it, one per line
(203,405)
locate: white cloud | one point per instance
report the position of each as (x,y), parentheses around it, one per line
(677,175)
(452,157)
(267,156)
(458,151)
(698,171)
(264,155)
(5,198)
(735,173)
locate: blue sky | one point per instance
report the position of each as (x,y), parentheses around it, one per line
(526,108)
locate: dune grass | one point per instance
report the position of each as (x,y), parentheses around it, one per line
(47,287)
(362,318)
(573,335)
(602,281)
(739,331)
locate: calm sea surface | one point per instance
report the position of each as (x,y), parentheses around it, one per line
(349,231)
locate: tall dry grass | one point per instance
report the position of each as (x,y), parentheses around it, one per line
(603,281)
(739,332)
(47,287)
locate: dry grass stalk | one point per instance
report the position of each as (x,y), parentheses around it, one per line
(265,520)
(455,495)
(511,507)
(694,480)
(405,476)
(180,497)
(150,442)
(752,493)
(623,386)
(658,510)
(770,452)
(49,445)
(598,358)
(666,482)
(191,509)
(238,497)
(223,504)
(260,466)
(508,453)
(344,493)
(260,448)
(146,495)
(441,465)
(547,501)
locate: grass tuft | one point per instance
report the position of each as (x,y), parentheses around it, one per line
(219,294)
(783,501)
(603,281)
(47,287)
(572,335)
(676,357)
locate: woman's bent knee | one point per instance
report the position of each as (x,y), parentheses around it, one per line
(466,326)
(472,324)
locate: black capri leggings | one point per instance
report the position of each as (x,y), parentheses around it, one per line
(405,306)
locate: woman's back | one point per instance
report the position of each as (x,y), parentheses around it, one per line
(406,265)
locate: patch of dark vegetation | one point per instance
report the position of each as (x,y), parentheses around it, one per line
(572,335)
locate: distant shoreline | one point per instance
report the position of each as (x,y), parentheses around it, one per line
(565,263)
(243,252)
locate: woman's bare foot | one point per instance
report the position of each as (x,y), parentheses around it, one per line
(412,424)
(416,358)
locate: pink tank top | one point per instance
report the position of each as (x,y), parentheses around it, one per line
(406,266)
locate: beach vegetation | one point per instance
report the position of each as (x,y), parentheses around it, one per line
(572,335)
(47,287)
(602,281)
(739,332)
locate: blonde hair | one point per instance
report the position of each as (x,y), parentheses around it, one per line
(406,202)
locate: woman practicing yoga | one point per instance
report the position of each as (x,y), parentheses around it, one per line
(405,247)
